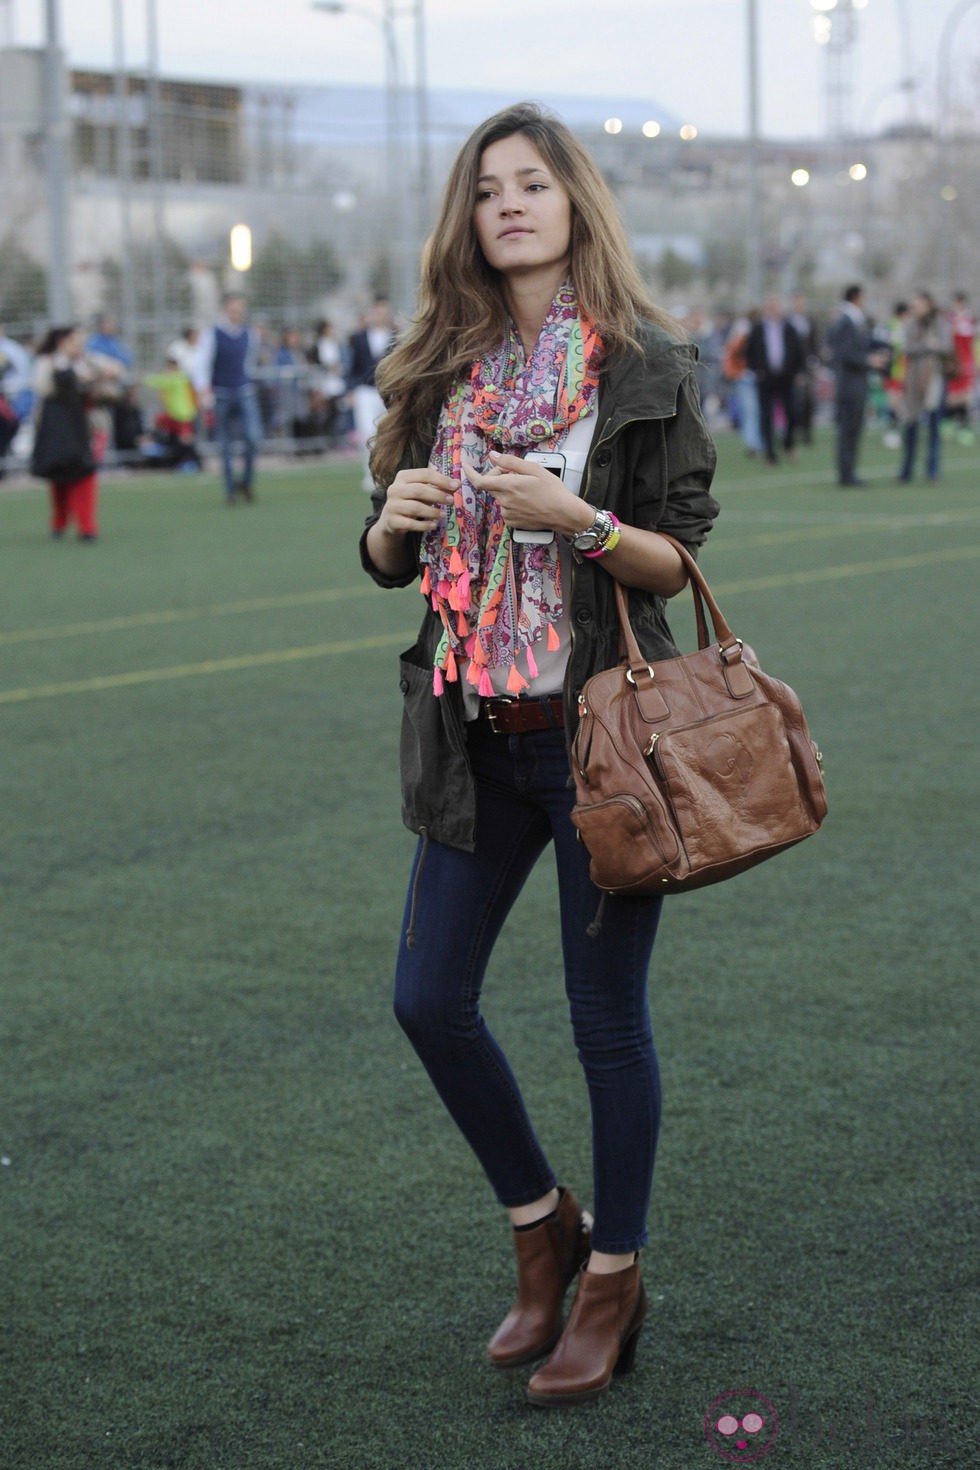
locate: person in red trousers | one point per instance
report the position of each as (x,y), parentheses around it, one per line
(67,448)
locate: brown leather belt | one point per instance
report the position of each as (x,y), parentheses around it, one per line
(516,716)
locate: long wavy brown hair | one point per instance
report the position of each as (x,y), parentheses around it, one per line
(461,307)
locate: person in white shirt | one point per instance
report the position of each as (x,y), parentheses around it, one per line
(366,349)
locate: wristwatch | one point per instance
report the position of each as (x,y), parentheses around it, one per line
(601,536)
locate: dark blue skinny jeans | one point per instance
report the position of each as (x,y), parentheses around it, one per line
(457,905)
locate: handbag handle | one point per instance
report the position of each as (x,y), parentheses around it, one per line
(730,647)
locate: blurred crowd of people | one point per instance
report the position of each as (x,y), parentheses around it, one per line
(772,373)
(71,399)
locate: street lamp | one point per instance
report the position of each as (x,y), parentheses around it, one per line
(948,191)
(403,233)
(835,27)
(240,248)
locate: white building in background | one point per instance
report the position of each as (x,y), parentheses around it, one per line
(311,164)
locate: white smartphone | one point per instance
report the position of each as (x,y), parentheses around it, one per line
(555,463)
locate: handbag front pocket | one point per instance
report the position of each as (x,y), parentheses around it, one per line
(732,785)
(625,842)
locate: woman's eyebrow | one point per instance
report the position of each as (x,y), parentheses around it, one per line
(521,172)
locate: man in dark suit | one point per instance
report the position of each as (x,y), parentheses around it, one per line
(852,356)
(775,354)
(806,330)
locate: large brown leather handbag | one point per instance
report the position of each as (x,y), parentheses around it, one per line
(690,769)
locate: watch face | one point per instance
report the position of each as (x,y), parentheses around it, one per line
(596,535)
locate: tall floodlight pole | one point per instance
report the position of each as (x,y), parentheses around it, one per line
(397,183)
(754,231)
(56,168)
(403,226)
(124,170)
(154,123)
(944,138)
(423,218)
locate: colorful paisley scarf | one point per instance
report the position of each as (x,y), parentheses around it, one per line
(497,599)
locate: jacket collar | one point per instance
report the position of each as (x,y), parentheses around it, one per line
(645,384)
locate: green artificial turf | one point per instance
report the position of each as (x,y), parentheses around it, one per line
(237,1231)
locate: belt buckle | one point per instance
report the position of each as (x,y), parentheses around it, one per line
(493,708)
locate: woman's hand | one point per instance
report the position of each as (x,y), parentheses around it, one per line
(530,497)
(417,500)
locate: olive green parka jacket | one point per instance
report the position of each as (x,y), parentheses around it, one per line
(651,463)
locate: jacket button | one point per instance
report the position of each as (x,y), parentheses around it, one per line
(603,458)
(403,685)
(583,616)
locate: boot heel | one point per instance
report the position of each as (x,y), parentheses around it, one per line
(627,1353)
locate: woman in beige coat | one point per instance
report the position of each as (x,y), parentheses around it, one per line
(928,344)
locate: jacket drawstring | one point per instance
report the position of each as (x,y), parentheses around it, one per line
(416,883)
(593,930)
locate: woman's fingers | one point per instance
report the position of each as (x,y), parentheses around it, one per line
(417,500)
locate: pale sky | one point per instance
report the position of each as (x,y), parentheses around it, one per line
(687,55)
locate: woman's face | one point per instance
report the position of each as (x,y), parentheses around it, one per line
(921,306)
(522,214)
(73,344)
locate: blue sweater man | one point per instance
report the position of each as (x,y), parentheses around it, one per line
(223,379)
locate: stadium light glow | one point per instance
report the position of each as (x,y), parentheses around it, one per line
(688,132)
(800,177)
(651,129)
(613,125)
(241,247)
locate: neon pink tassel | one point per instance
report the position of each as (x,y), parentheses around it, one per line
(532,667)
(553,640)
(485,686)
(515,681)
(452,673)
(437,685)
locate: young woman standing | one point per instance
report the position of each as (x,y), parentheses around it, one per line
(534,334)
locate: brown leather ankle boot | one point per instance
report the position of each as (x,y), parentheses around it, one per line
(599,1340)
(548,1256)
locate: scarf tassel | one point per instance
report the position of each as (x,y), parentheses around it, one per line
(553,640)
